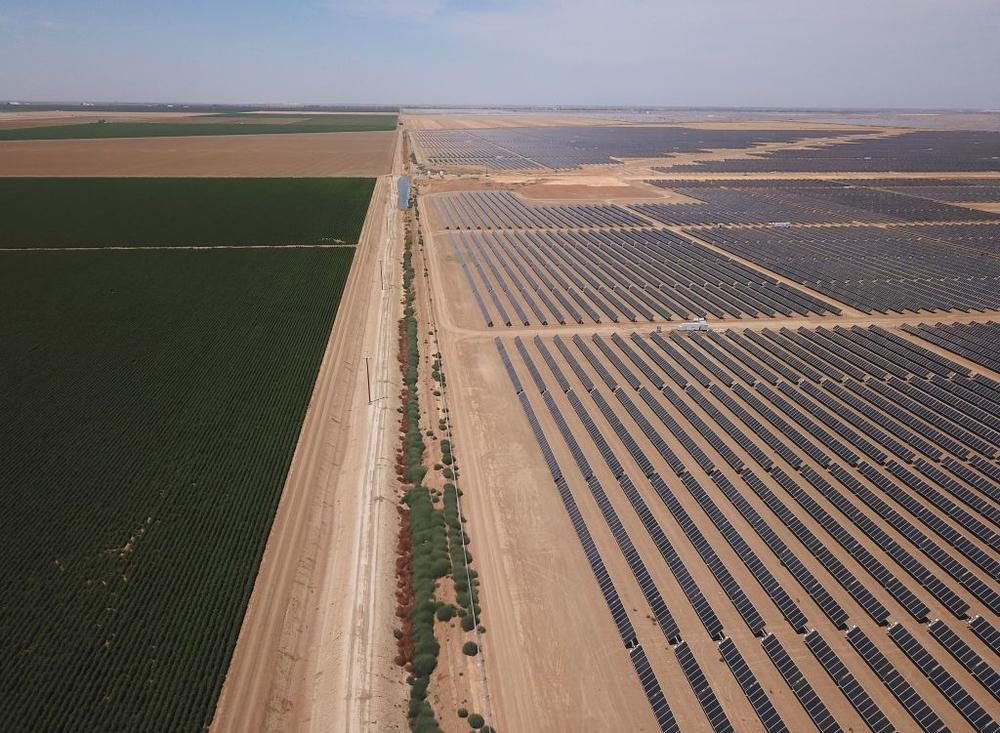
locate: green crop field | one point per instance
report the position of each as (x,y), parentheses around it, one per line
(150,403)
(241,124)
(164,212)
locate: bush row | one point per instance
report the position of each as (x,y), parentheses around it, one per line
(466,592)
(428,550)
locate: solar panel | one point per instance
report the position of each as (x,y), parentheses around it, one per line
(811,702)
(971,710)
(702,690)
(982,670)
(845,680)
(910,699)
(748,682)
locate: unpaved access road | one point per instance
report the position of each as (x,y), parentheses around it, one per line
(315,651)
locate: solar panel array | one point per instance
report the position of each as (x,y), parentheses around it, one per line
(965,190)
(978,342)
(983,238)
(506,210)
(836,477)
(466,149)
(986,193)
(871,268)
(799,202)
(647,678)
(617,275)
(914,151)
(569,147)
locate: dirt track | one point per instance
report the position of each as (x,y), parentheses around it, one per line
(317,154)
(315,651)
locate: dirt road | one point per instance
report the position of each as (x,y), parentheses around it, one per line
(315,651)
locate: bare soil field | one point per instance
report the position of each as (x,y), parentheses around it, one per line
(37,118)
(307,155)
(991,207)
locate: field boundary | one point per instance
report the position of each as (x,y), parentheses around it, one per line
(269,685)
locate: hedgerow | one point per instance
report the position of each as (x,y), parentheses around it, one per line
(424,558)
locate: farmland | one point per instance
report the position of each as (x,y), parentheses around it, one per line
(181,212)
(151,403)
(606,427)
(783,520)
(343,154)
(210,125)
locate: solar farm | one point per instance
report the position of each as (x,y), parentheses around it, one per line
(563,147)
(731,438)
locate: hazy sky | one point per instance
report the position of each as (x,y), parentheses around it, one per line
(884,53)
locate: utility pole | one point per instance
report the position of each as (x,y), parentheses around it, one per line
(381,277)
(368,378)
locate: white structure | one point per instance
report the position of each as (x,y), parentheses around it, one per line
(699,325)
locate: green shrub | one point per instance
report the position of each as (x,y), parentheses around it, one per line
(424,664)
(470,649)
(467,623)
(445,612)
(463,713)
(476,721)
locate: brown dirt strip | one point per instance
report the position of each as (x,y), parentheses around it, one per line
(289,155)
(290,667)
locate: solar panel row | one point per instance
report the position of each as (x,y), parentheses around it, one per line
(978,342)
(811,702)
(848,684)
(748,682)
(618,275)
(507,210)
(915,705)
(647,678)
(971,710)
(572,146)
(758,204)
(870,268)
(930,150)
(982,670)
(632,365)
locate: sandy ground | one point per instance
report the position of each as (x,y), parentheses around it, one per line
(319,154)
(991,207)
(315,651)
